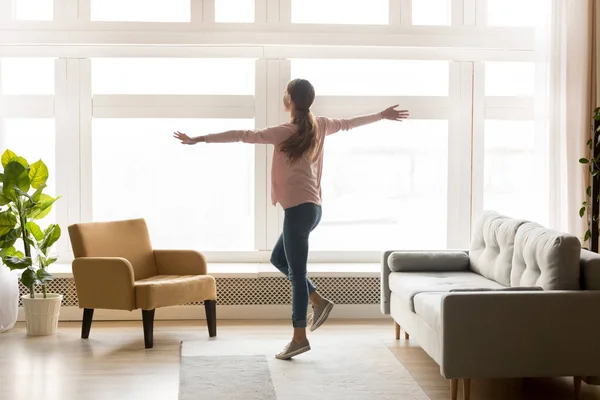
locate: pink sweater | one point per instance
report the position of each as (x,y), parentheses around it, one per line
(300,182)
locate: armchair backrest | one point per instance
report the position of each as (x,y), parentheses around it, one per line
(128,239)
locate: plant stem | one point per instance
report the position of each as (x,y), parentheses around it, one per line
(25,243)
(44,291)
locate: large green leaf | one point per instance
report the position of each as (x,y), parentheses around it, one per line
(10,238)
(7,156)
(38,193)
(42,208)
(51,260)
(15,176)
(8,221)
(29,278)
(51,236)
(35,230)
(14,262)
(3,199)
(38,174)
(8,251)
(43,276)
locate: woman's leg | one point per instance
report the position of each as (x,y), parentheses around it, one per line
(299,222)
(279,261)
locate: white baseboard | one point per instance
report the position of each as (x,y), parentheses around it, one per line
(340,311)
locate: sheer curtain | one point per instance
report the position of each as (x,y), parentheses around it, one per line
(570,56)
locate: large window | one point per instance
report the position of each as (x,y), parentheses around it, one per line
(192,196)
(140,10)
(383,185)
(27,76)
(340,12)
(173,76)
(96,89)
(375,77)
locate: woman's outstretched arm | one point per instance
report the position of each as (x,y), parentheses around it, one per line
(334,125)
(269,135)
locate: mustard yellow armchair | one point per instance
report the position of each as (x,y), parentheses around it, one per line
(116,268)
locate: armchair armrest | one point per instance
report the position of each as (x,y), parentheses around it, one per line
(104,282)
(180,262)
(520,334)
(412,261)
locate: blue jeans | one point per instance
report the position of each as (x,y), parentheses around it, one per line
(290,255)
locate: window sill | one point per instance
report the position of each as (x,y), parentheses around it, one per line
(261,270)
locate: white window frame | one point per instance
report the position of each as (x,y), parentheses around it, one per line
(272,40)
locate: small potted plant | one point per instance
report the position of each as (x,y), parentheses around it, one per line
(22,193)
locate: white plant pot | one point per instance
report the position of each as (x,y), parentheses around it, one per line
(9,299)
(41,314)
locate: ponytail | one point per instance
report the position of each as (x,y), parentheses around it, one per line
(304,141)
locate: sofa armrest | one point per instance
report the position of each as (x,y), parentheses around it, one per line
(520,334)
(418,261)
(104,282)
(180,262)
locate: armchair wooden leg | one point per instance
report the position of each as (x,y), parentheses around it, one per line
(467,389)
(86,324)
(211,317)
(454,388)
(406,335)
(577,386)
(397,330)
(148,320)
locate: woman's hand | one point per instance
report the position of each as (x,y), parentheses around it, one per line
(185,139)
(394,115)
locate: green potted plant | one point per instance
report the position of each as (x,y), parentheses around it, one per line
(22,194)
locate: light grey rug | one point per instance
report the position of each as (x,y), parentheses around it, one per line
(225,378)
(332,370)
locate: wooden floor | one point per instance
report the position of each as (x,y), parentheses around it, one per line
(113,363)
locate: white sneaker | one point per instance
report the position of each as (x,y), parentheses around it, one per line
(320,314)
(292,349)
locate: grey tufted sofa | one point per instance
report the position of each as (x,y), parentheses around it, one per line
(522,301)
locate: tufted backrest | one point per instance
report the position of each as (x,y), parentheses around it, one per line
(545,258)
(492,246)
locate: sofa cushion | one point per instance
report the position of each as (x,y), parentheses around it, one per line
(428,306)
(546,258)
(406,285)
(170,290)
(492,246)
(407,261)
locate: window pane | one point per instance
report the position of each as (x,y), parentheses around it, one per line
(27,76)
(141,10)
(197,197)
(234,10)
(375,77)
(34,10)
(431,12)
(33,139)
(387,191)
(514,170)
(173,76)
(516,12)
(374,12)
(509,78)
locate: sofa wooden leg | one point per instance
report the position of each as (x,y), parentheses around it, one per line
(148,320)
(406,335)
(211,317)
(454,388)
(466,389)
(397,330)
(86,324)
(577,386)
